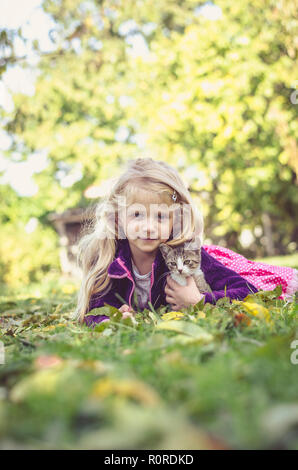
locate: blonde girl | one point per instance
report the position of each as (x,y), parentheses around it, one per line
(148,205)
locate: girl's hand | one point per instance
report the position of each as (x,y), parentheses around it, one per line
(126,311)
(182,296)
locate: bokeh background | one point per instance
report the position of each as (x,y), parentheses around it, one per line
(209,87)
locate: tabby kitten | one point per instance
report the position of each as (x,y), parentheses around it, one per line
(185,260)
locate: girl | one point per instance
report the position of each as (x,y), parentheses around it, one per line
(146,207)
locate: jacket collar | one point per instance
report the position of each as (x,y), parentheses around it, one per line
(121,266)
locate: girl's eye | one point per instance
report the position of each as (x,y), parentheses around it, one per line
(138,214)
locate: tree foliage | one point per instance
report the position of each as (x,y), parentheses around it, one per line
(213,97)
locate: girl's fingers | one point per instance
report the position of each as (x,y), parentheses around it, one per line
(126,314)
(171,282)
(124,308)
(126,311)
(168,290)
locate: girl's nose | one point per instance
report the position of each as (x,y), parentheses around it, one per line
(150,227)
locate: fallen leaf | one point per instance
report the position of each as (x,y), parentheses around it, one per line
(129,388)
(186,328)
(46,361)
(257,310)
(172,316)
(241,318)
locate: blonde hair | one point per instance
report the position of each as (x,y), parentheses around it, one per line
(96,249)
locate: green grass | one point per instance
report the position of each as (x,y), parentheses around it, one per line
(218,379)
(290,260)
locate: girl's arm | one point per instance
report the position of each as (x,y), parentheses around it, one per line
(223,281)
(97,302)
(91,320)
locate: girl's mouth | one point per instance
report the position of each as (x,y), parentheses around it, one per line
(148,239)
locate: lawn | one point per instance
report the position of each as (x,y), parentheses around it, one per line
(218,376)
(289,260)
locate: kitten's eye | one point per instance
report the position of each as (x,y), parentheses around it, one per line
(187,261)
(171,265)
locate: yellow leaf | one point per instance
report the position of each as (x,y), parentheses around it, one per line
(134,389)
(43,381)
(257,310)
(172,316)
(189,329)
(48,328)
(201,314)
(68,289)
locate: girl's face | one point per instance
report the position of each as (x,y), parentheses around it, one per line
(147,225)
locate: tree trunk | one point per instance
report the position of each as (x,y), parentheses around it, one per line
(267,225)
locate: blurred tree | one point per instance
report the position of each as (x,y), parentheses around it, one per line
(7,50)
(220,106)
(204,86)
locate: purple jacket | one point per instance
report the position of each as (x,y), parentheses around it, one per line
(120,270)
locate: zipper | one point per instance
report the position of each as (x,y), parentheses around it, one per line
(127,274)
(152,281)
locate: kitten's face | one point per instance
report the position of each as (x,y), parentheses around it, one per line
(181,261)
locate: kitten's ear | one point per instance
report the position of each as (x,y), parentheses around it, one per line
(164,248)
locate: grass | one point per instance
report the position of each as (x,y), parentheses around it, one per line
(290,260)
(212,377)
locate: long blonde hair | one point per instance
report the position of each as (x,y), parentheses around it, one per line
(97,248)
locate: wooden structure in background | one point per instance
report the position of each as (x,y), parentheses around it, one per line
(69,226)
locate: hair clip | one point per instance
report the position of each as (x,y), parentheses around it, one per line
(174,196)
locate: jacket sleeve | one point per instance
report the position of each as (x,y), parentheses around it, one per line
(96,302)
(219,278)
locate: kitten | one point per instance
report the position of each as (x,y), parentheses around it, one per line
(185,260)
